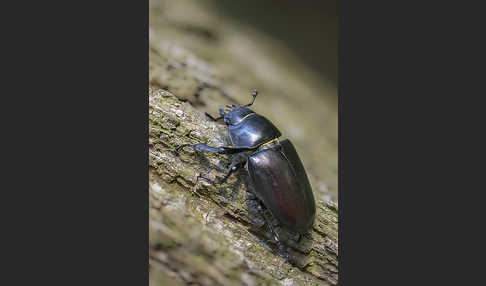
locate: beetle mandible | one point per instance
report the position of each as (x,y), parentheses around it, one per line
(274,167)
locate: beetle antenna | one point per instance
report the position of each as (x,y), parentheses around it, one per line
(254,94)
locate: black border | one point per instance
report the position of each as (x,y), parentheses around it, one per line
(78,78)
(78,160)
(407,118)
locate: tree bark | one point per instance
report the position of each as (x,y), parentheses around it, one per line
(206,234)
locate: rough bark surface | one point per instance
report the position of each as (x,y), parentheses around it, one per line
(210,234)
(205,234)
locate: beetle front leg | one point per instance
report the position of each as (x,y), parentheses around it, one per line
(218,150)
(212,118)
(221,113)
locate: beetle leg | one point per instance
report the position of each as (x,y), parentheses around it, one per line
(212,118)
(255,210)
(272,231)
(219,150)
(221,113)
(233,168)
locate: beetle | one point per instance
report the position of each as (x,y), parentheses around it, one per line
(274,167)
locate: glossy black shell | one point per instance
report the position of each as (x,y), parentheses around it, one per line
(236,114)
(252,131)
(281,182)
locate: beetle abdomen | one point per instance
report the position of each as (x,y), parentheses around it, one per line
(281,183)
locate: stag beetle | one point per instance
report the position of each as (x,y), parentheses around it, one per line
(275,169)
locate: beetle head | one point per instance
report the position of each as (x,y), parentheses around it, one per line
(236,114)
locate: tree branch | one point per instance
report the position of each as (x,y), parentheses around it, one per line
(214,235)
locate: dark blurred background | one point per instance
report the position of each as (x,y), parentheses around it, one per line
(308,28)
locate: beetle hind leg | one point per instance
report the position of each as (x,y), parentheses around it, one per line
(274,233)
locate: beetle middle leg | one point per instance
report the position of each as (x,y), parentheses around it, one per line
(237,162)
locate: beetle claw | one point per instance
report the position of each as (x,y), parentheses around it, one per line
(179,148)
